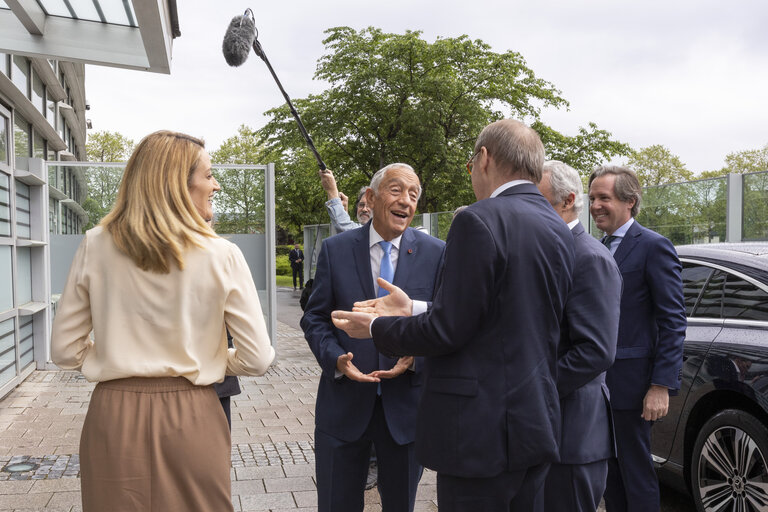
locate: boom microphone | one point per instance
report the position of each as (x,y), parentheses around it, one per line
(241,36)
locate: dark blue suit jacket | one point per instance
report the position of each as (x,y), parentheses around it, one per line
(343,277)
(587,349)
(652,324)
(490,402)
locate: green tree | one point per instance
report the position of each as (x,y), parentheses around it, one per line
(747,161)
(656,165)
(399,98)
(104,182)
(584,151)
(240,202)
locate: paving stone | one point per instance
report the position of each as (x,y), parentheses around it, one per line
(299,483)
(267,501)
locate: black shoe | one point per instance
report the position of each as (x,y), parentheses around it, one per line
(373,474)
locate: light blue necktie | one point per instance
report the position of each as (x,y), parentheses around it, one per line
(386,271)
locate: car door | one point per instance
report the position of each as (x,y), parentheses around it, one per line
(702,290)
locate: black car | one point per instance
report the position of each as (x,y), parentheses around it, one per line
(714,441)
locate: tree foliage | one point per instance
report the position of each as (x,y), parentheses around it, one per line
(240,202)
(656,165)
(399,98)
(104,182)
(584,151)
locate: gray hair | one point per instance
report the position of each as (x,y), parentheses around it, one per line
(379,176)
(360,195)
(514,147)
(626,187)
(564,180)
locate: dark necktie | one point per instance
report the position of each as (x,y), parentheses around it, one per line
(608,240)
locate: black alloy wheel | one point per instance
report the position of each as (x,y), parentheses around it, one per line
(728,466)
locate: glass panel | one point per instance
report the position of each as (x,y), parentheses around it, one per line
(4,63)
(686,213)
(5,206)
(55,8)
(743,300)
(40,146)
(6,278)
(4,124)
(21,141)
(114,12)
(85,10)
(60,125)
(24,275)
(7,351)
(52,217)
(22,210)
(6,334)
(26,342)
(239,205)
(694,279)
(755,221)
(50,111)
(38,94)
(710,304)
(20,74)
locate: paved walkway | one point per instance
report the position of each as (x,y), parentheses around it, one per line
(272,439)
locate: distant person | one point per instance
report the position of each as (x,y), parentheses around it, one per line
(337,204)
(363,397)
(652,323)
(159,289)
(587,348)
(296,257)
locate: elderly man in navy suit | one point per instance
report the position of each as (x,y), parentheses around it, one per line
(489,417)
(364,398)
(586,351)
(649,354)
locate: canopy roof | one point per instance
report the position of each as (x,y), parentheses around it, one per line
(133,34)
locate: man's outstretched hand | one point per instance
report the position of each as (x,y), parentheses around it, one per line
(397,303)
(402,364)
(356,325)
(345,366)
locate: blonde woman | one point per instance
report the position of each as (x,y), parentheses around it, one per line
(159,290)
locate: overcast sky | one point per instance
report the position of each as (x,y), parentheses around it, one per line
(691,75)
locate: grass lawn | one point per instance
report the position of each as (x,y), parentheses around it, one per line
(285,281)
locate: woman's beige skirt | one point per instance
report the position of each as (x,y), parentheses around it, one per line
(155,444)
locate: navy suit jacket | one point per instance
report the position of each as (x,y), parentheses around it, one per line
(344,407)
(490,401)
(652,323)
(587,349)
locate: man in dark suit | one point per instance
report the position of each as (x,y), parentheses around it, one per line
(586,351)
(370,399)
(296,257)
(649,354)
(489,416)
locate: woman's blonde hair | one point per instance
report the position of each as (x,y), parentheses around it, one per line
(154,218)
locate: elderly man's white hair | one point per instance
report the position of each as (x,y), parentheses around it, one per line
(564,179)
(379,176)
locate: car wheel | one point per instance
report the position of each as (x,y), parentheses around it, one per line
(728,467)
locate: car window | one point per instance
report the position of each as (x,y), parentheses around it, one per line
(694,278)
(744,301)
(711,302)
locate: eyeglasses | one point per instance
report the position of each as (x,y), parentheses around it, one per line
(471,162)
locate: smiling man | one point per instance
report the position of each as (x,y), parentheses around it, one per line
(649,353)
(364,398)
